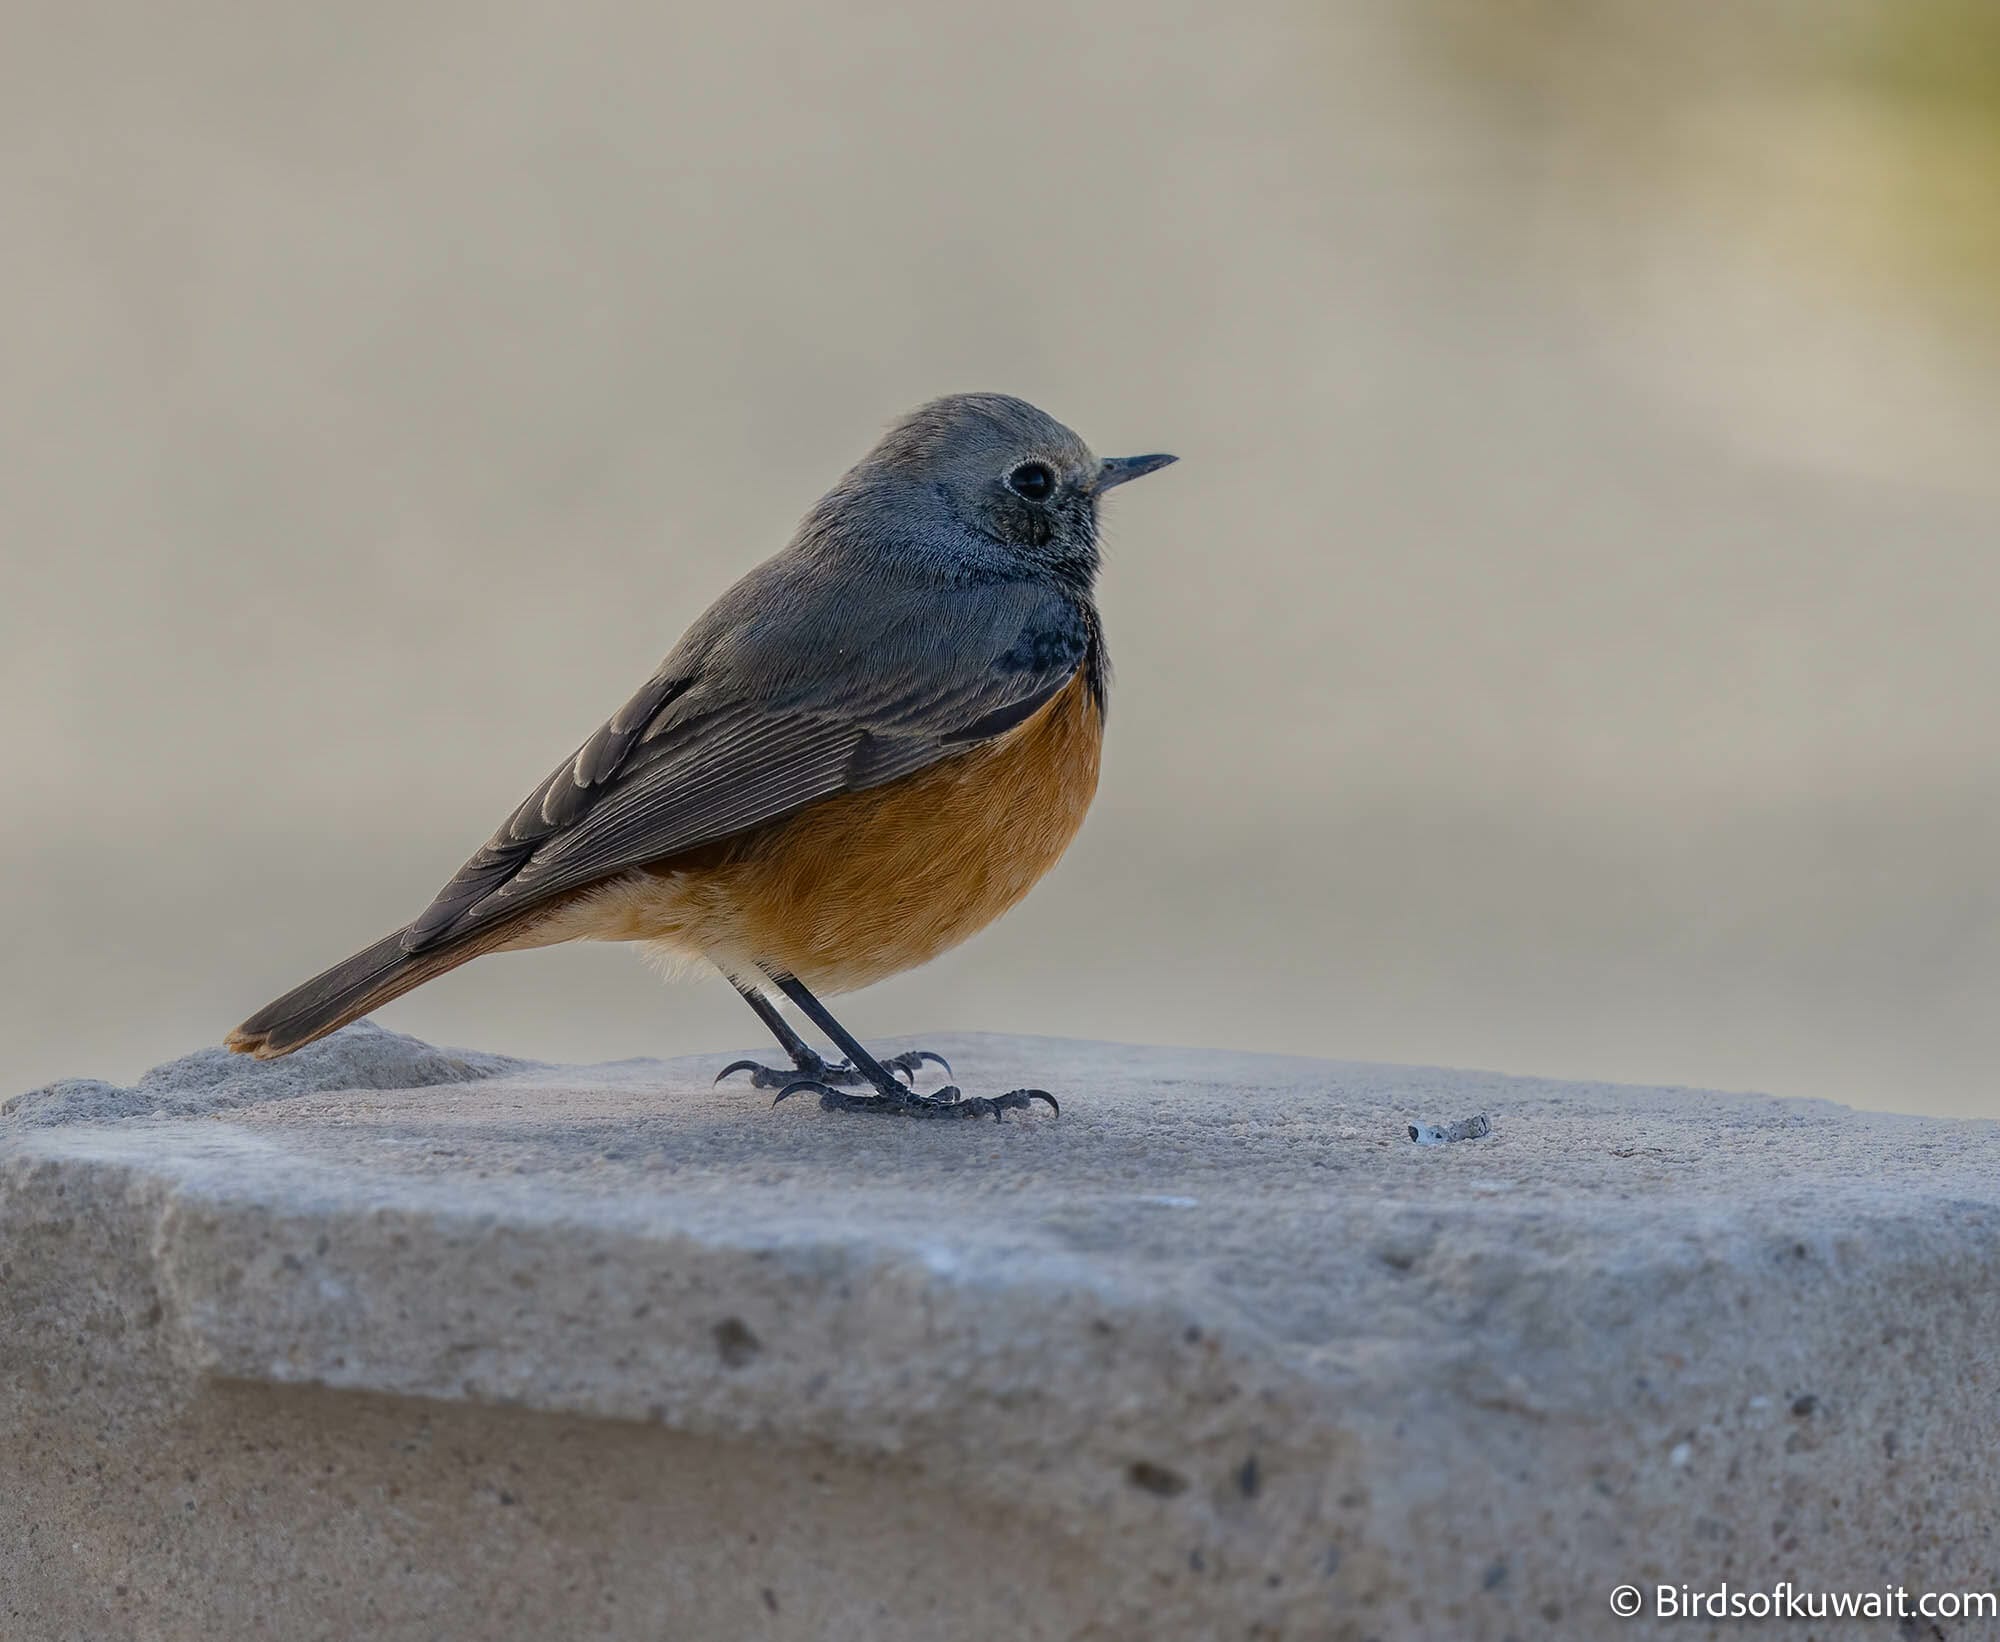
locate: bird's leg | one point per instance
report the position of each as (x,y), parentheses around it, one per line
(805,1062)
(890,1096)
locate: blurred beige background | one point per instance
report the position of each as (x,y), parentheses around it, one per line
(1566,646)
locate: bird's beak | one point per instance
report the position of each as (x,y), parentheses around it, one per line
(1117,469)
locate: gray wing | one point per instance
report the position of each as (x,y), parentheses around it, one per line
(763,709)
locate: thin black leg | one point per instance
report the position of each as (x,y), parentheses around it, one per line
(805,1061)
(890,1096)
(769,1013)
(857,1057)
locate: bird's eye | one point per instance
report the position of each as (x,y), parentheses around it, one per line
(1035,481)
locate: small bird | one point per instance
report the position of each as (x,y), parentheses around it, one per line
(868,749)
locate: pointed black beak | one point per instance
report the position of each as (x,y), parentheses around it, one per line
(1117,469)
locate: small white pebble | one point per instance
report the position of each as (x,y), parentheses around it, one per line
(1431,1134)
(1683,1452)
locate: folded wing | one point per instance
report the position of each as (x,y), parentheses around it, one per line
(759,712)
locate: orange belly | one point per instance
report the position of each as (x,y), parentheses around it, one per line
(860,887)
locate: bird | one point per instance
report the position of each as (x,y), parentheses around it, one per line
(867,749)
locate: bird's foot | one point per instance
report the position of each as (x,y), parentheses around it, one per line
(946,1102)
(813,1069)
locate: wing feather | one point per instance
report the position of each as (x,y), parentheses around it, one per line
(750,720)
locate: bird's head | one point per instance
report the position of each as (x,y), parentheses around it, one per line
(993,482)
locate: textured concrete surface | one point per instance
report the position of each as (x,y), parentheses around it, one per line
(391,1341)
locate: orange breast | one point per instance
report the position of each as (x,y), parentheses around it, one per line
(859,887)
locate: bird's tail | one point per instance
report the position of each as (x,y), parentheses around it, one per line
(349,990)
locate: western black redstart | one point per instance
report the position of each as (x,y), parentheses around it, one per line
(868,749)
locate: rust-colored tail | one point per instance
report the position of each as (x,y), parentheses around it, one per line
(350,989)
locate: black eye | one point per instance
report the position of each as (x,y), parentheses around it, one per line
(1036,481)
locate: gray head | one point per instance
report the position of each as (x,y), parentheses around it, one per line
(989,482)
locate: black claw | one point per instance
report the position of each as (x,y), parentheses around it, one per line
(1015,1100)
(946,1102)
(908,1063)
(832,1100)
(776,1077)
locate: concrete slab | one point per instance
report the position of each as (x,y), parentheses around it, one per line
(396,1341)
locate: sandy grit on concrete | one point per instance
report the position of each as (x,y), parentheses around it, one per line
(391,1341)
